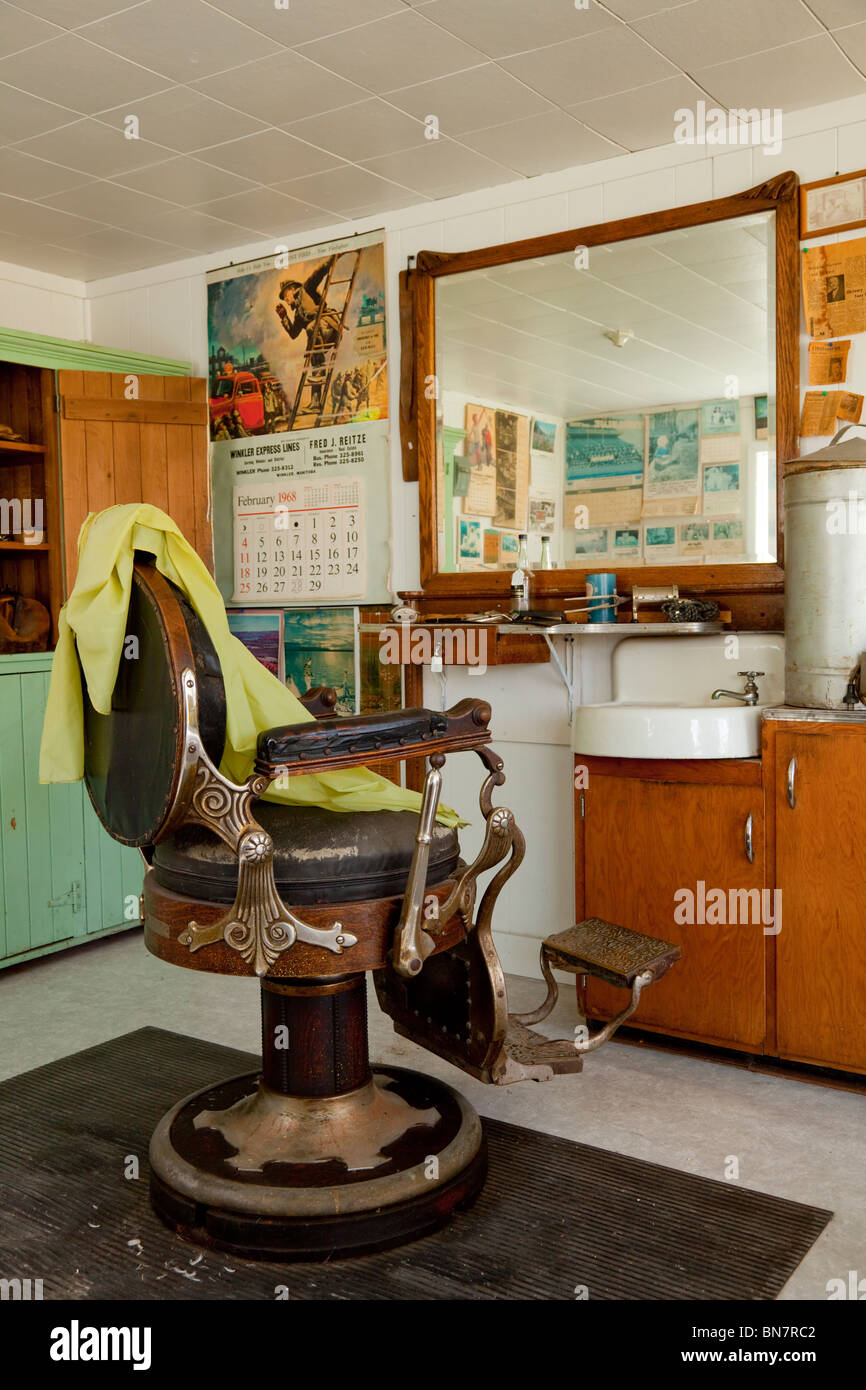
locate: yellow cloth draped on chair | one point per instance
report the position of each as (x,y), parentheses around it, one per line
(93,620)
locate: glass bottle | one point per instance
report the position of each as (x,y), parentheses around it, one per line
(520,579)
(546,562)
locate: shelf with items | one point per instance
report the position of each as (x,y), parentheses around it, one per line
(30,569)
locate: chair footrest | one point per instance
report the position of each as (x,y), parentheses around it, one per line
(609,952)
(528,1049)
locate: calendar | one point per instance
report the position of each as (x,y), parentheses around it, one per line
(299,541)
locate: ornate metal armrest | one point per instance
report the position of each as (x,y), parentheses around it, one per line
(258,924)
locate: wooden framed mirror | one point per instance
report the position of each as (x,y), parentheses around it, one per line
(629,389)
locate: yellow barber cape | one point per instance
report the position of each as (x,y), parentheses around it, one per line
(93,620)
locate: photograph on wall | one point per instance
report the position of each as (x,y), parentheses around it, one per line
(720,417)
(261,630)
(319,647)
(468,540)
(604,468)
(722,488)
(508,548)
(727,538)
(512,470)
(297,340)
(626,543)
(479,499)
(542,514)
(592,541)
(694,538)
(828,362)
(543,437)
(491,547)
(761,417)
(659,542)
(673,475)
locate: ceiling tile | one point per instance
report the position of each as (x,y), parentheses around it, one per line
(196,230)
(361,131)
(440,169)
(269,212)
(93,148)
(305,20)
(643,117)
(184,120)
(538,144)
(483,96)
(21,30)
(790,77)
(636,9)
(23,116)
(853,41)
(404,43)
(498,29)
(23,218)
(349,192)
(270,157)
(75,73)
(835,13)
(70,16)
(281,88)
(608,61)
(182,39)
(126,248)
(705,32)
(110,203)
(22,176)
(185,181)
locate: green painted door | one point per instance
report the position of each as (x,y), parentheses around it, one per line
(62,877)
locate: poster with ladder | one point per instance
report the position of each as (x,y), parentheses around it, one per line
(298,403)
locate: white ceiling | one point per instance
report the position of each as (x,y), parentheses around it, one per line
(531,335)
(258,121)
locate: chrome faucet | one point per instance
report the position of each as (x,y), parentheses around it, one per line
(749,696)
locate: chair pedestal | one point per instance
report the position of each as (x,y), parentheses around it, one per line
(318,1156)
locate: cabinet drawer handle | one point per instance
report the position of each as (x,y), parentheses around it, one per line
(792,772)
(750,846)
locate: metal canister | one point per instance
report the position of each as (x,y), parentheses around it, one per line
(825,572)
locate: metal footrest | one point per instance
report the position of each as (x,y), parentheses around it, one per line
(530,1056)
(622,957)
(609,952)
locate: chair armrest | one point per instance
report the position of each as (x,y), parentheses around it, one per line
(349,742)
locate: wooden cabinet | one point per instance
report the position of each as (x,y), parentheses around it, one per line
(816,794)
(659,843)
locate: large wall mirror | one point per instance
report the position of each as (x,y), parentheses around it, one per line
(626,391)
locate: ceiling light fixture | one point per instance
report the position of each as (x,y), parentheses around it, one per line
(619,336)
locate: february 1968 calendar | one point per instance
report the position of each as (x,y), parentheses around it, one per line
(300,540)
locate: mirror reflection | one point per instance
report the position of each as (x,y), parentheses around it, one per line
(618,400)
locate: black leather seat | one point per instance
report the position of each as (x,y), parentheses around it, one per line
(319,856)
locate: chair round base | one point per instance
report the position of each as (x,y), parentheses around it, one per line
(251,1171)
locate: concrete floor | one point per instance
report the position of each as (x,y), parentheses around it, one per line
(799,1141)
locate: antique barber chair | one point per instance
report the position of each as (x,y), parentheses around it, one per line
(318,1155)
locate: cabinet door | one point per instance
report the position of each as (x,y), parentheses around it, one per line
(646,842)
(821,871)
(61,875)
(149,449)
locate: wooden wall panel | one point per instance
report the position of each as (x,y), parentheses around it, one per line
(115,459)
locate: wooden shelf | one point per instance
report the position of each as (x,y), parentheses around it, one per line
(22,545)
(16,446)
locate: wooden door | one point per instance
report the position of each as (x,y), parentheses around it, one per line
(645,842)
(152,448)
(821,871)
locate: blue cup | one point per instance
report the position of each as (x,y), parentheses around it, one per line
(601,586)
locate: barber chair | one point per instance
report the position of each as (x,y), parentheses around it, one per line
(317,1155)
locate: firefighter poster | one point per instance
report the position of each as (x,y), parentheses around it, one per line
(298,403)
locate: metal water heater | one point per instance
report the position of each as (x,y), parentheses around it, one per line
(825,572)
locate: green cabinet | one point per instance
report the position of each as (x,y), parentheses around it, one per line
(62,878)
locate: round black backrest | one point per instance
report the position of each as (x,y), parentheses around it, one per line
(132,756)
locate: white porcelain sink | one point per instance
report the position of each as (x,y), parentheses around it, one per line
(662,706)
